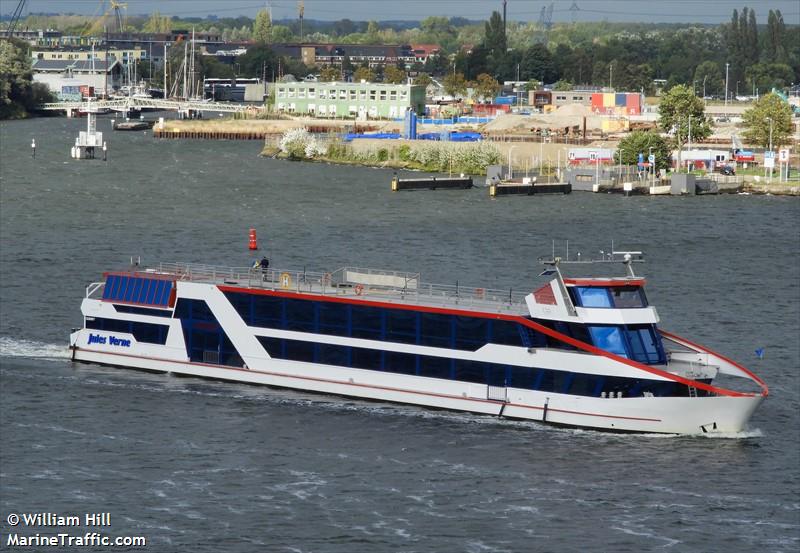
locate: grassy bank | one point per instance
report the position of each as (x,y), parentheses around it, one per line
(469,158)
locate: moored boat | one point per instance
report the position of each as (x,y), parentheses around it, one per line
(583,352)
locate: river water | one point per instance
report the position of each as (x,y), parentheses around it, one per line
(194,465)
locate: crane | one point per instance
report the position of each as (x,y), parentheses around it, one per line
(114,7)
(15,18)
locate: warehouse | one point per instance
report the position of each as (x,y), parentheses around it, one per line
(359,100)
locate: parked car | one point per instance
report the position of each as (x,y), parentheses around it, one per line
(725,170)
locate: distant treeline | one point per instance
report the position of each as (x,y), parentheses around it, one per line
(626,56)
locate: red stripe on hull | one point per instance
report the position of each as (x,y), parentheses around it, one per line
(499,316)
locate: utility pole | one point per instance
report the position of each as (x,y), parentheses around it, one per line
(726,83)
(504,17)
(610,75)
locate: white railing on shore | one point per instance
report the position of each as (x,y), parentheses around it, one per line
(127,104)
(371,284)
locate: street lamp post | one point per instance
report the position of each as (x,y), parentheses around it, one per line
(770,150)
(704,89)
(652,167)
(689,143)
(726,83)
(619,175)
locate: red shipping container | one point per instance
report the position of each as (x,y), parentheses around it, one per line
(597,102)
(633,105)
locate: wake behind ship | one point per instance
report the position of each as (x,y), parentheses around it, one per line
(583,352)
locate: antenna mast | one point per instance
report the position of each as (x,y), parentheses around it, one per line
(301,11)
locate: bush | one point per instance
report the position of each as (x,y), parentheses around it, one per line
(383,154)
(404,152)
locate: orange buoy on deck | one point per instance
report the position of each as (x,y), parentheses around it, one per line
(253,241)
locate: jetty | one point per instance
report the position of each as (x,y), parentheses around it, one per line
(528,187)
(431,183)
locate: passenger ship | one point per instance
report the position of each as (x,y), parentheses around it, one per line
(581,352)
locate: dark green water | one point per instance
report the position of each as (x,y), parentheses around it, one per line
(203,466)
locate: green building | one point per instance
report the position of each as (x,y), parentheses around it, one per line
(357,100)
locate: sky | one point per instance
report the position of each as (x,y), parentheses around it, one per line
(663,11)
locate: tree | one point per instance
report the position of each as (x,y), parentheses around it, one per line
(455,84)
(766,76)
(756,121)
(282,33)
(423,79)
(373,31)
(256,61)
(562,85)
(18,93)
(532,85)
(537,63)
(157,24)
(641,142)
(262,28)
(328,74)
(709,78)
(394,75)
(363,74)
(495,35)
(776,36)
(486,87)
(680,108)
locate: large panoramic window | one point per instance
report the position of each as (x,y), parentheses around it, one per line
(437,330)
(478,372)
(609,338)
(641,343)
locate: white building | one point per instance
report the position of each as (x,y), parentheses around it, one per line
(66,77)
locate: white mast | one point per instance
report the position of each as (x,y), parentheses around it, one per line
(185,46)
(166,93)
(192,88)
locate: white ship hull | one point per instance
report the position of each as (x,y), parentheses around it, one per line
(496,359)
(693,415)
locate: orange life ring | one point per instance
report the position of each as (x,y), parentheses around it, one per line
(359,289)
(479,293)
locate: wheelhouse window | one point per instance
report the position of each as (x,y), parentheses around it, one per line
(619,297)
(641,343)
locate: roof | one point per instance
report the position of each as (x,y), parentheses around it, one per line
(80,66)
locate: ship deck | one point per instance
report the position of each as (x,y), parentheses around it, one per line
(348,282)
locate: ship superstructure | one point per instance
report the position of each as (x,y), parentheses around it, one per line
(584,352)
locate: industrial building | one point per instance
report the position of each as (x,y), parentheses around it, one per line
(360,100)
(66,77)
(546,100)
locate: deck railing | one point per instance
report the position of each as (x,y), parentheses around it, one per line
(372,284)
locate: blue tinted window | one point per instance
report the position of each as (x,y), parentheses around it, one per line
(401,326)
(645,344)
(609,338)
(628,297)
(436,330)
(471,332)
(592,297)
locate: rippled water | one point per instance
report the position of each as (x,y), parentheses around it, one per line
(204,466)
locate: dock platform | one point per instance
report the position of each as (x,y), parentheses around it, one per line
(431,183)
(528,189)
